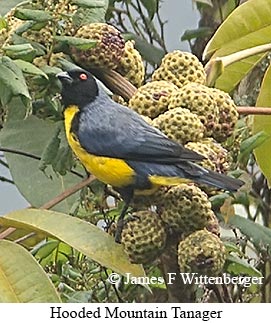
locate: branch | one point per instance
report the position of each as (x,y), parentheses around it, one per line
(178,292)
(6,233)
(216,66)
(19,152)
(48,205)
(70,191)
(254,110)
(26,154)
(238,56)
(6,180)
(116,83)
(119,85)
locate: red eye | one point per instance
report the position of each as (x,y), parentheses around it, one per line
(83,76)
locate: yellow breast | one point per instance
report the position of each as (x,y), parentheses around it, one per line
(111,171)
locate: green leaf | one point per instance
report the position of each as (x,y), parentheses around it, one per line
(85,16)
(5,94)
(249,20)
(3,23)
(40,50)
(196,33)
(64,160)
(263,123)
(12,77)
(81,235)
(52,251)
(37,187)
(148,51)
(231,247)
(259,235)
(45,249)
(151,6)
(247,26)
(89,3)
(32,14)
(237,266)
(29,68)
(22,279)
(251,143)
(50,150)
(80,297)
(57,153)
(214,69)
(22,51)
(205,2)
(28,240)
(77,42)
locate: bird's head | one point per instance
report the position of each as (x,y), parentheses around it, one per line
(79,87)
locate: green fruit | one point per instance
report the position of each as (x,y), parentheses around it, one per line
(185,208)
(216,157)
(109,48)
(180,125)
(131,65)
(200,100)
(180,68)
(143,237)
(201,252)
(152,98)
(213,224)
(228,115)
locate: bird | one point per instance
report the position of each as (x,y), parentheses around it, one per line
(118,147)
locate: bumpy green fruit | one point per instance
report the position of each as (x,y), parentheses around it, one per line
(216,157)
(180,125)
(185,208)
(201,252)
(109,48)
(131,65)
(152,98)
(200,100)
(143,237)
(213,224)
(180,68)
(228,115)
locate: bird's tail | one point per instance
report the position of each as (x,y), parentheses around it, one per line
(167,175)
(218,180)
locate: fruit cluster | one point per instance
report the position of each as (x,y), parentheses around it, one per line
(201,118)
(177,102)
(63,18)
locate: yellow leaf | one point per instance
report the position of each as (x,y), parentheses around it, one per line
(247,26)
(263,123)
(81,235)
(22,279)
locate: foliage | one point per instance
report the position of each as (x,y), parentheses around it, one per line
(68,247)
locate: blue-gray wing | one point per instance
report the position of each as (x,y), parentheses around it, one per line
(118,132)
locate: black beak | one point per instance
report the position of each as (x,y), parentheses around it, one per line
(64,78)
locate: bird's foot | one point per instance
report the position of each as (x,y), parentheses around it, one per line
(119,229)
(120,225)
